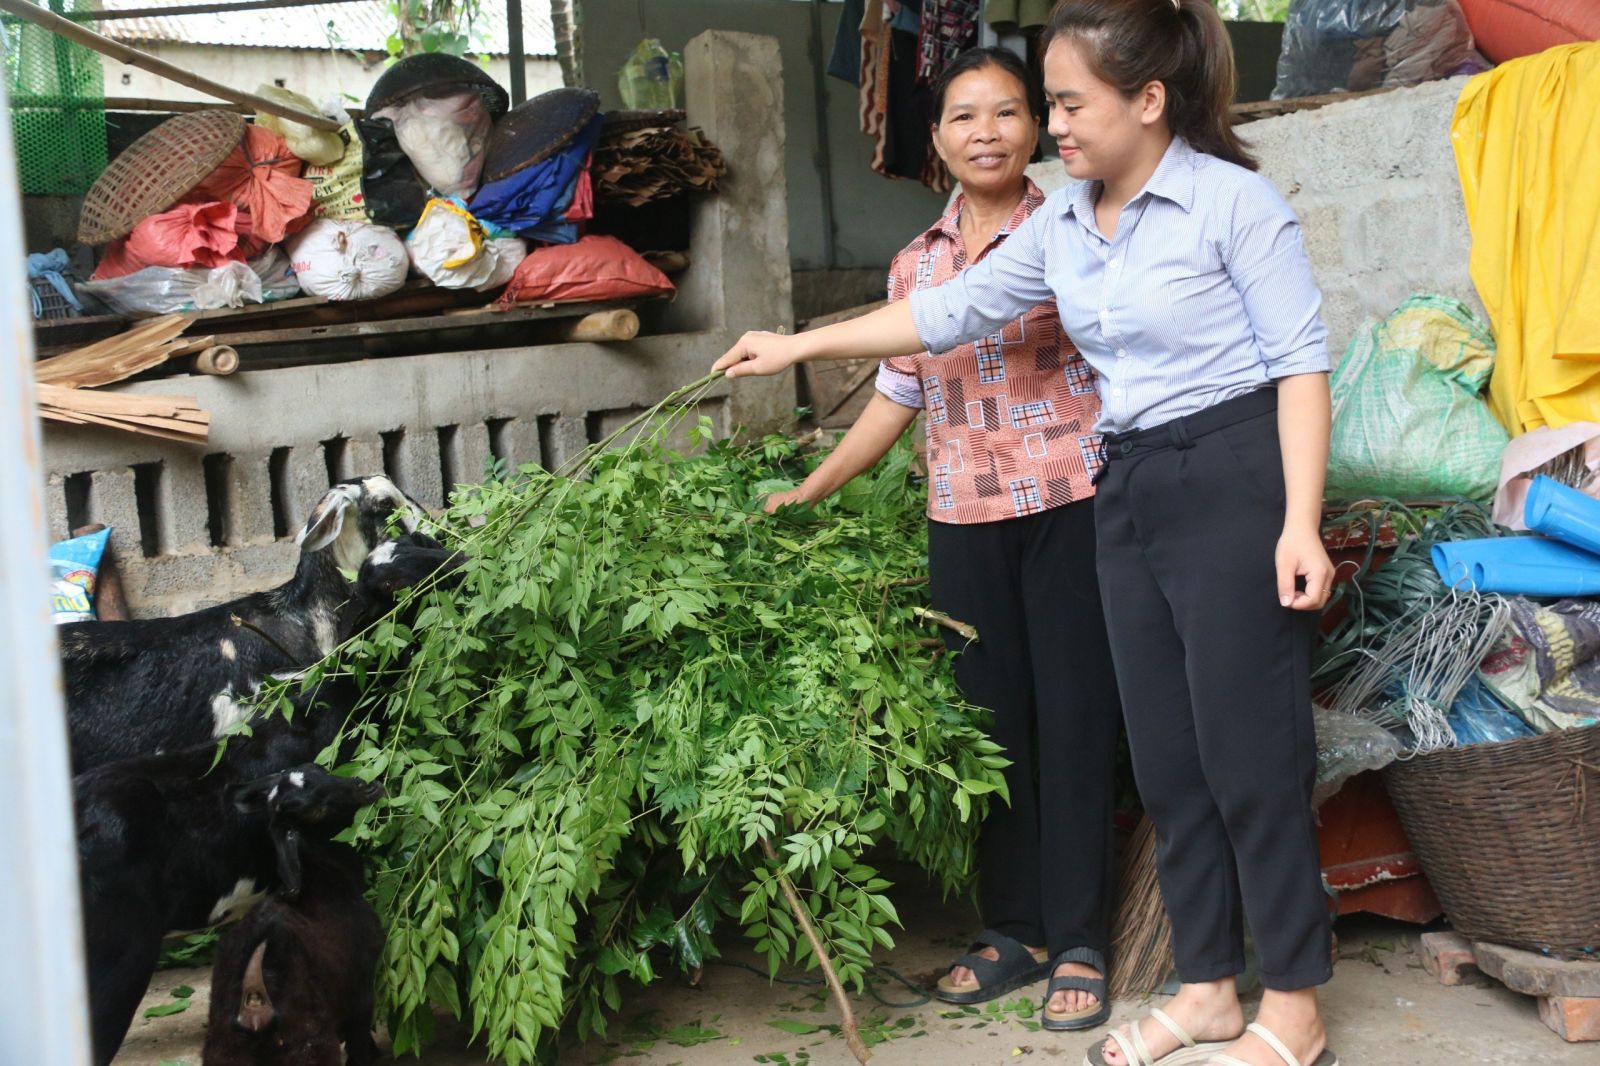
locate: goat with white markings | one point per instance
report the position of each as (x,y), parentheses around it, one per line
(165,846)
(138,687)
(294,979)
(170,841)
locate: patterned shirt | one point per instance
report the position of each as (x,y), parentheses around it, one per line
(1203,294)
(1010,417)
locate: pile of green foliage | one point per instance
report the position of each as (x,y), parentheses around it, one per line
(642,683)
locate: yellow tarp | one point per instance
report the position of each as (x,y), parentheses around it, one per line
(1527,143)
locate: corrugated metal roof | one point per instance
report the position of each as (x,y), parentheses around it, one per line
(364,27)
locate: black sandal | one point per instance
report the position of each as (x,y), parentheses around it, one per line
(1089,1017)
(1015,967)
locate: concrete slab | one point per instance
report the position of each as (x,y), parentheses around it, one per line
(1383,1009)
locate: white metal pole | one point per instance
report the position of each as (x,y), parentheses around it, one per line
(43,998)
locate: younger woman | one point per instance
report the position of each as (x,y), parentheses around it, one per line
(1010,423)
(1184,280)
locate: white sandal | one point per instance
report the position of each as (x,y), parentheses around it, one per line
(1137,1052)
(1268,1037)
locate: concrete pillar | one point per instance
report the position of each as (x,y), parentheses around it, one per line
(363,456)
(733,84)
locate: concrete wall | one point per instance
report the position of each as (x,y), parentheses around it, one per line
(1374,182)
(320,74)
(874,216)
(195,526)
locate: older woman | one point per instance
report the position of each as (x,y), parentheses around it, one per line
(1011,550)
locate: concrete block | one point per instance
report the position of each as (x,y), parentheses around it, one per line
(420,466)
(564,437)
(55,506)
(1397,226)
(174,577)
(112,501)
(249,507)
(1572,1019)
(181,503)
(471,453)
(1448,956)
(362,456)
(307,480)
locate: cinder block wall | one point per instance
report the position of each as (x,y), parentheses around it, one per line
(1374,182)
(194,526)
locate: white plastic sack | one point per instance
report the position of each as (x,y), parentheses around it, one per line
(450,248)
(348,260)
(445,137)
(164,290)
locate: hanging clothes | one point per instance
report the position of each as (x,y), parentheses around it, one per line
(1012,15)
(844,62)
(948,28)
(1525,144)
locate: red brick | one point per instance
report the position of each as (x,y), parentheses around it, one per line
(1448,956)
(1571,1017)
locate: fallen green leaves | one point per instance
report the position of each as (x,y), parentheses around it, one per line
(640,680)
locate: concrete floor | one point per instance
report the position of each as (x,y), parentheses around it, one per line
(1382,1009)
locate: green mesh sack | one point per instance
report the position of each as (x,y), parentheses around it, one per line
(57,95)
(1409,419)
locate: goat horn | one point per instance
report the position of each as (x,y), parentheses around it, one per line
(255,1006)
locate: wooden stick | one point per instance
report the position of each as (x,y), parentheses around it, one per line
(219,360)
(847,1017)
(619,325)
(63,27)
(945,620)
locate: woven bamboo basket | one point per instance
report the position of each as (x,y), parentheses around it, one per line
(156,171)
(1509,836)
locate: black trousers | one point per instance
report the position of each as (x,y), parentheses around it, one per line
(1215,679)
(1043,666)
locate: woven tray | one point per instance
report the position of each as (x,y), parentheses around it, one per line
(535,130)
(1509,836)
(156,171)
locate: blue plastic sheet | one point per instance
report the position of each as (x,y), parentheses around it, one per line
(532,196)
(1478,717)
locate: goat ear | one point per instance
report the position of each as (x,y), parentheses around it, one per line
(255,1004)
(327,518)
(255,797)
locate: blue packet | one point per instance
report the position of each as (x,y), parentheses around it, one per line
(74,565)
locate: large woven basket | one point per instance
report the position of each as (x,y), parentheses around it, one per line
(156,171)
(1509,836)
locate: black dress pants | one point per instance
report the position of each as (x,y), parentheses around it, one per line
(1215,680)
(1042,665)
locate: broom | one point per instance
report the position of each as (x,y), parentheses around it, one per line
(1141,936)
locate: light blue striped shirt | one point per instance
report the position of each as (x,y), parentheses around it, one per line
(1204,294)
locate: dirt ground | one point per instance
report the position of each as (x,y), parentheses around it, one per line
(1382,1009)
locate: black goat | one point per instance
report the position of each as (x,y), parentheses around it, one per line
(139,687)
(294,979)
(165,846)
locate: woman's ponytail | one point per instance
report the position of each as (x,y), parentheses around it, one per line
(1181,43)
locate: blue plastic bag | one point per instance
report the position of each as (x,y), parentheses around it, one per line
(74,566)
(1478,717)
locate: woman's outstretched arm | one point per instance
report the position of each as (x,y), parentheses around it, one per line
(886,332)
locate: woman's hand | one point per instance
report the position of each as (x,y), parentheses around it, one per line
(780,499)
(759,352)
(1301,554)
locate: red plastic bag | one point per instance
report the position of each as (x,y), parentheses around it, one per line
(595,268)
(188,235)
(263,177)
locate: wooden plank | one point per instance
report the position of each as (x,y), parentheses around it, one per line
(1258,109)
(465,319)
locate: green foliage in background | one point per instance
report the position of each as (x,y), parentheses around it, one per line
(639,682)
(431,26)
